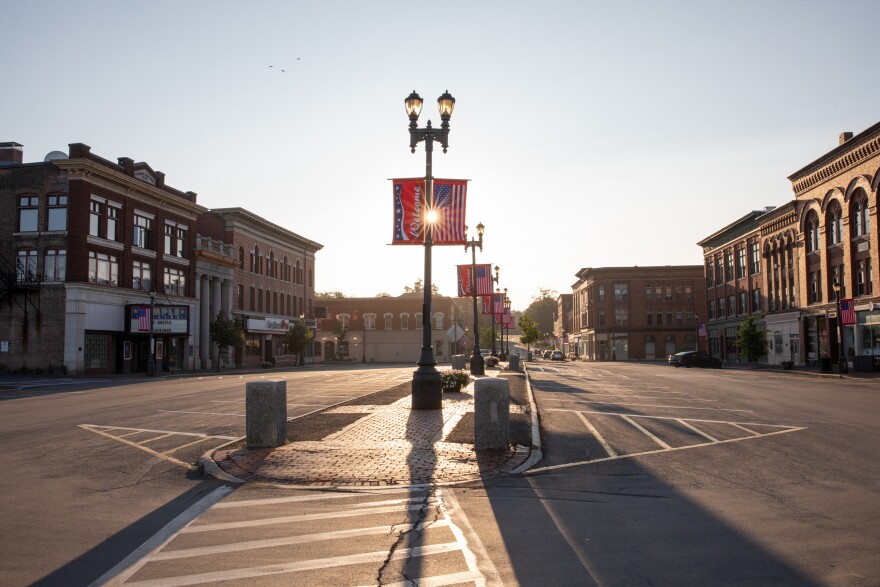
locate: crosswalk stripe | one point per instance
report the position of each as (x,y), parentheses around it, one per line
(437,580)
(307,565)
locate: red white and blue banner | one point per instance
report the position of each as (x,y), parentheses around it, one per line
(493,304)
(142,316)
(450,197)
(507,319)
(409,202)
(479,275)
(847,312)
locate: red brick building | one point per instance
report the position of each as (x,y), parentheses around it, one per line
(273,282)
(83,240)
(621,313)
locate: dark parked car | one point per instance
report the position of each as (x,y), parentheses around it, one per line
(694,359)
(547,355)
(557,356)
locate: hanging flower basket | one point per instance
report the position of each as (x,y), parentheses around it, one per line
(454,380)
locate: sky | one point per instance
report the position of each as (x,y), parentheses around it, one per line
(594,134)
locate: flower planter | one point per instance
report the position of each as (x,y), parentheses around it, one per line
(453,388)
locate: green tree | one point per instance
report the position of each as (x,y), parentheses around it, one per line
(416,288)
(751,341)
(543,308)
(225,332)
(329,295)
(341,332)
(298,339)
(486,337)
(530,331)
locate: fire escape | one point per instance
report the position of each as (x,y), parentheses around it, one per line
(20,289)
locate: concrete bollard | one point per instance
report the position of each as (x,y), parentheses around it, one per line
(266,414)
(491,413)
(458,361)
(513,362)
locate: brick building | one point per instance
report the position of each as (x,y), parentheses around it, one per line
(623,313)
(273,282)
(83,242)
(389,329)
(780,265)
(562,325)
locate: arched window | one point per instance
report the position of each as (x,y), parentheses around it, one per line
(285,269)
(241,257)
(404,321)
(418,320)
(811,232)
(297,276)
(343,319)
(255,260)
(438,320)
(270,265)
(369,322)
(388,321)
(860,220)
(834,224)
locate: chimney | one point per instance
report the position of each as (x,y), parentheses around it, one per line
(11,154)
(127,163)
(844,137)
(79,151)
(160,179)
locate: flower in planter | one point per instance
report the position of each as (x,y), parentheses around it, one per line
(454,378)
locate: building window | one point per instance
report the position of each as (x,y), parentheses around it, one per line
(142,236)
(404,321)
(711,309)
(649,317)
(103,269)
(659,317)
(620,292)
(741,262)
(689,316)
(438,320)
(255,260)
(57,212)
(141,275)
(26,266)
(388,321)
(719,272)
(175,281)
(369,322)
(28,209)
(743,299)
(728,266)
(720,308)
(679,318)
(169,239)
(240,304)
(710,274)
(668,293)
(268,301)
(241,257)
(96,211)
(756,300)
(815,290)
(311,279)
(601,317)
(834,226)
(418,318)
(252,299)
(730,306)
(861,221)
(55,265)
(343,320)
(648,292)
(756,258)
(601,293)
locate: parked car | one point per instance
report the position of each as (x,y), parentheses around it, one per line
(547,354)
(693,359)
(557,356)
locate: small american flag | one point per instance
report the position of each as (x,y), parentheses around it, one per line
(847,312)
(143,317)
(449,203)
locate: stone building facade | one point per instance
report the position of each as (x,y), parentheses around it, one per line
(621,313)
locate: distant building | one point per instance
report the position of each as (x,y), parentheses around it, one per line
(621,313)
(389,329)
(562,324)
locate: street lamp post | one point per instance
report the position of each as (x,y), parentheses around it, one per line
(427,393)
(151,358)
(506,327)
(494,352)
(503,354)
(478,366)
(841,358)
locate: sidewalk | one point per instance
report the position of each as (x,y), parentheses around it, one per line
(378,444)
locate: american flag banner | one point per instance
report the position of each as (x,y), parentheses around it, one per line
(847,312)
(409,203)
(450,196)
(487,305)
(482,280)
(507,319)
(143,317)
(499,303)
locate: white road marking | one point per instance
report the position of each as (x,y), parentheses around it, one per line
(654,452)
(307,565)
(697,430)
(437,581)
(137,430)
(611,452)
(741,427)
(576,401)
(202,413)
(646,432)
(299,498)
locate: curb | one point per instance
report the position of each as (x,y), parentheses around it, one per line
(536,455)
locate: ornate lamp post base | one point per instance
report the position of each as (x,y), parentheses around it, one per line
(478,365)
(427,392)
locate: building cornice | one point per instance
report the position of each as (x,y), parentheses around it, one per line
(132,187)
(241,218)
(856,150)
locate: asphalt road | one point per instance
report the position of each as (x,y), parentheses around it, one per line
(662,476)
(93,468)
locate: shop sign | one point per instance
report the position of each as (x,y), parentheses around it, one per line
(165,319)
(270,325)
